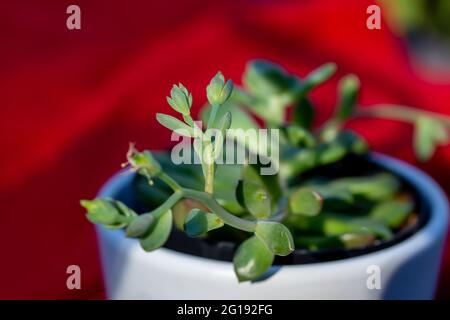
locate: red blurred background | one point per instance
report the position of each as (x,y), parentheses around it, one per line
(71,100)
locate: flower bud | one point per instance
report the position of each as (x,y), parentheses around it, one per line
(218,91)
(180,99)
(143,162)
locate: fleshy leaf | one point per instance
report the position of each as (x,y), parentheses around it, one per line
(306,202)
(304,113)
(158,234)
(255,194)
(276,236)
(348,95)
(140,225)
(252,259)
(176,125)
(106,211)
(199,222)
(428,134)
(376,187)
(263,79)
(393,213)
(317,77)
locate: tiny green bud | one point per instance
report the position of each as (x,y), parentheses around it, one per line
(180,99)
(143,162)
(218,91)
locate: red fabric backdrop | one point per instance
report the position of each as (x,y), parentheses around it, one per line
(71,101)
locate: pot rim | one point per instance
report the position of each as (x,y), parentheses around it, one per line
(434,227)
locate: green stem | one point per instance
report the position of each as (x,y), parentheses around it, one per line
(214,206)
(209,178)
(212,115)
(170,181)
(168,204)
(401,113)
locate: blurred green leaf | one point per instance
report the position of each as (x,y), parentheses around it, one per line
(305,201)
(263,79)
(317,77)
(158,234)
(304,113)
(299,136)
(348,95)
(252,259)
(276,236)
(376,187)
(392,213)
(330,152)
(428,134)
(332,223)
(199,222)
(342,241)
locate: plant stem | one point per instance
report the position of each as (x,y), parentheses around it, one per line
(168,204)
(214,206)
(212,115)
(402,113)
(209,178)
(170,181)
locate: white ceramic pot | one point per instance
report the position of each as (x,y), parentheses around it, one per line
(407,270)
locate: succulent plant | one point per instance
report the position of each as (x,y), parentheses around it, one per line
(269,215)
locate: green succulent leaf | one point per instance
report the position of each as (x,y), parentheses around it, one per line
(428,134)
(348,95)
(264,79)
(140,225)
(107,212)
(334,195)
(276,236)
(175,125)
(304,113)
(344,241)
(332,224)
(252,259)
(392,213)
(225,184)
(353,142)
(255,195)
(306,202)
(376,187)
(317,77)
(330,152)
(299,136)
(199,222)
(158,234)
